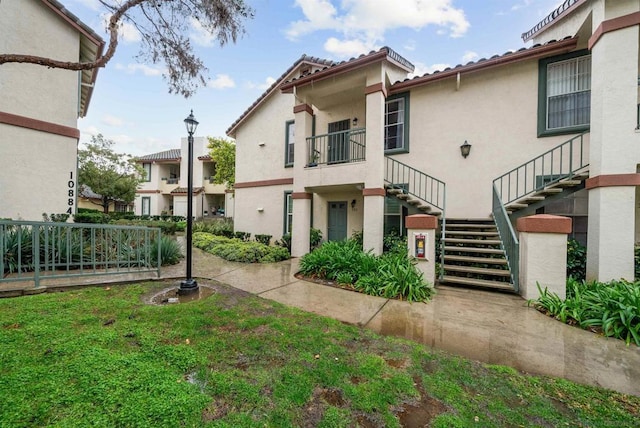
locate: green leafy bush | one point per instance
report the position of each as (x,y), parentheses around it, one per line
(576,260)
(315,239)
(243,236)
(263,239)
(235,250)
(91,217)
(612,308)
(221,227)
(394,243)
(167,227)
(392,275)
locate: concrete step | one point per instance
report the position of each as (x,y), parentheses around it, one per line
(394,192)
(474,250)
(483,283)
(566,183)
(414,202)
(516,206)
(470,225)
(481,260)
(548,191)
(476,270)
(472,241)
(467,233)
(402,196)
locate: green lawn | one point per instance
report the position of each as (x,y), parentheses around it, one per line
(101,357)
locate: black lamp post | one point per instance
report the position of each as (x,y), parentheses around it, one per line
(465,149)
(189,284)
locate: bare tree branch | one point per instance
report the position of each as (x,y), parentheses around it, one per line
(164,38)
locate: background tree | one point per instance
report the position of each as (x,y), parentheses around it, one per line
(164,28)
(223,153)
(113,176)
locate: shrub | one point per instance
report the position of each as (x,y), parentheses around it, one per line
(170,252)
(612,308)
(394,243)
(167,227)
(233,249)
(221,227)
(576,260)
(315,239)
(263,239)
(243,236)
(91,217)
(392,275)
(55,218)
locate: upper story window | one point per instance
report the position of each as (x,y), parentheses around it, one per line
(290,128)
(147,171)
(396,124)
(564,94)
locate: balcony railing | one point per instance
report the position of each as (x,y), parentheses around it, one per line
(337,147)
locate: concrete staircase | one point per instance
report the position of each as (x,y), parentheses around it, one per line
(537,199)
(410,200)
(473,256)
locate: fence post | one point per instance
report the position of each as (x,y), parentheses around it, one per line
(421,243)
(543,254)
(35,239)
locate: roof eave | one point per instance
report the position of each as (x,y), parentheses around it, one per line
(553,18)
(551,48)
(231,131)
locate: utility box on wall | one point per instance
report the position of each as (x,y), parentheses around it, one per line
(421,229)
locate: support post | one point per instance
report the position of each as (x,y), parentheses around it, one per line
(421,243)
(543,254)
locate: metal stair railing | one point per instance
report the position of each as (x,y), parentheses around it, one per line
(556,164)
(508,238)
(561,162)
(420,185)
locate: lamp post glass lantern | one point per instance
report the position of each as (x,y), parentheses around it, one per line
(189,284)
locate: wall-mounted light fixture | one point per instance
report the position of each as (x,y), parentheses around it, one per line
(261,143)
(260,209)
(353,205)
(355,122)
(465,149)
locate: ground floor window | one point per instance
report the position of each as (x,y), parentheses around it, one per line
(146,205)
(393,216)
(288,212)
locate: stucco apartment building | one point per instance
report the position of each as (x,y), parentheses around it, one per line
(40,107)
(550,128)
(165,188)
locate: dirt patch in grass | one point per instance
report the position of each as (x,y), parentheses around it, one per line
(420,413)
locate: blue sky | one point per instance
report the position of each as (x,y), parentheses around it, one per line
(131,104)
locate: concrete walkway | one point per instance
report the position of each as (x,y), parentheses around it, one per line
(489,327)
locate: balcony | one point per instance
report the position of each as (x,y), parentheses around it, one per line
(336,148)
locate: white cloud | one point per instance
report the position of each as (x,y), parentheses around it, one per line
(346,48)
(410,45)
(112,120)
(469,56)
(264,85)
(127,31)
(422,69)
(367,21)
(200,35)
(143,68)
(222,81)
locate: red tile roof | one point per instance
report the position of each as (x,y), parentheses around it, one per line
(537,51)
(167,155)
(557,13)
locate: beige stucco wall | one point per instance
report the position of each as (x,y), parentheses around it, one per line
(36,167)
(35,170)
(268,221)
(496,112)
(29,27)
(256,162)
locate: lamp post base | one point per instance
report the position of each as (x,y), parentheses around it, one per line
(188,286)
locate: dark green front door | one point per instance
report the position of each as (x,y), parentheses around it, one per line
(337,230)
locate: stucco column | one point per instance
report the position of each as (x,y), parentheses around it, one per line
(421,243)
(374,193)
(301,232)
(614,150)
(543,254)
